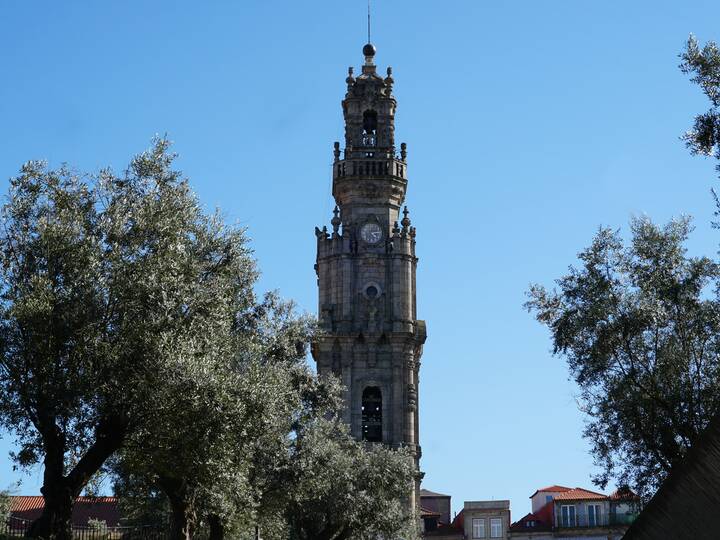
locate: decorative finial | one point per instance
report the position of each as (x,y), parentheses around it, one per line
(403,151)
(336,151)
(406,220)
(336,221)
(369,51)
(389,79)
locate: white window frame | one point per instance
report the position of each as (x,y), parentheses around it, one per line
(563,512)
(478,528)
(596,515)
(496,528)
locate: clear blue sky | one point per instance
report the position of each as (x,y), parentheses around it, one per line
(528,124)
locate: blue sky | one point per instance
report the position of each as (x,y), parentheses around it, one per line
(528,124)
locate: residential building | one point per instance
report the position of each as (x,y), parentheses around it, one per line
(29,508)
(436,506)
(435,514)
(544,495)
(577,514)
(486,519)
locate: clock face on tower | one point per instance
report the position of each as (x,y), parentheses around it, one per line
(371,233)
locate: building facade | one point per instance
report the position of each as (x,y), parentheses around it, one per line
(371,339)
(486,519)
(576,514)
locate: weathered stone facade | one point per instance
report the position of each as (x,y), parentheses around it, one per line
(366,272)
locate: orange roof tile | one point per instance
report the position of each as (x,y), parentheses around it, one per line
(85,508)
(554,489)
(543,520)
(579,494)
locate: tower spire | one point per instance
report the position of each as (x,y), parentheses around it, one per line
(369,41)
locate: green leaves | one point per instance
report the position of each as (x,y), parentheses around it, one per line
(639,325)
(343,488)
(704,66)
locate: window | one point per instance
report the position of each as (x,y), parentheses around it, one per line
(594,519)
(496,528)
(372,414)
(370,120)
(370,125)
(567,516)
(478,525)
(548,498)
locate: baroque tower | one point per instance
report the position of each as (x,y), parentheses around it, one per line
(365,266)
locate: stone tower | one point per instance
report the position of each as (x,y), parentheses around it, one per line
(366,272)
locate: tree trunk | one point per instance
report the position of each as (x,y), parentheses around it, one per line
(55,522)
(183,520)
(217,529)
(60,491)
(183,513)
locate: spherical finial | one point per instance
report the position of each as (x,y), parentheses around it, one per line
(369,50)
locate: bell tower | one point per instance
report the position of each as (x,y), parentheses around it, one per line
(365,267)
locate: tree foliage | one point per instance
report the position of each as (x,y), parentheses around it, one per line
(5,505)
(342,488)
(639,325)
(108,283)
(703,63)
(221,426)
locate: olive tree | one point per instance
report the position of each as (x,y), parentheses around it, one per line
(5,507)
(703,63)
(108,281)
(222,417)
(341,488)
(639,325)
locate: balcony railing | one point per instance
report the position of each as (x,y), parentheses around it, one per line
(369,167)
(585,521)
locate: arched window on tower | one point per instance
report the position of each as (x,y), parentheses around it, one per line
(370,128)
(372,414)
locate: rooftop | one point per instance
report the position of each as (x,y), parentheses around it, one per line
(101,508)
(428,493)
(579,494)
(542,520)
(487,505)
(551,489)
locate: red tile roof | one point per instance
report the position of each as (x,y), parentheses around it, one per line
(459,521)
(552,489)
(579,494)
(101,508)
(543,519)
